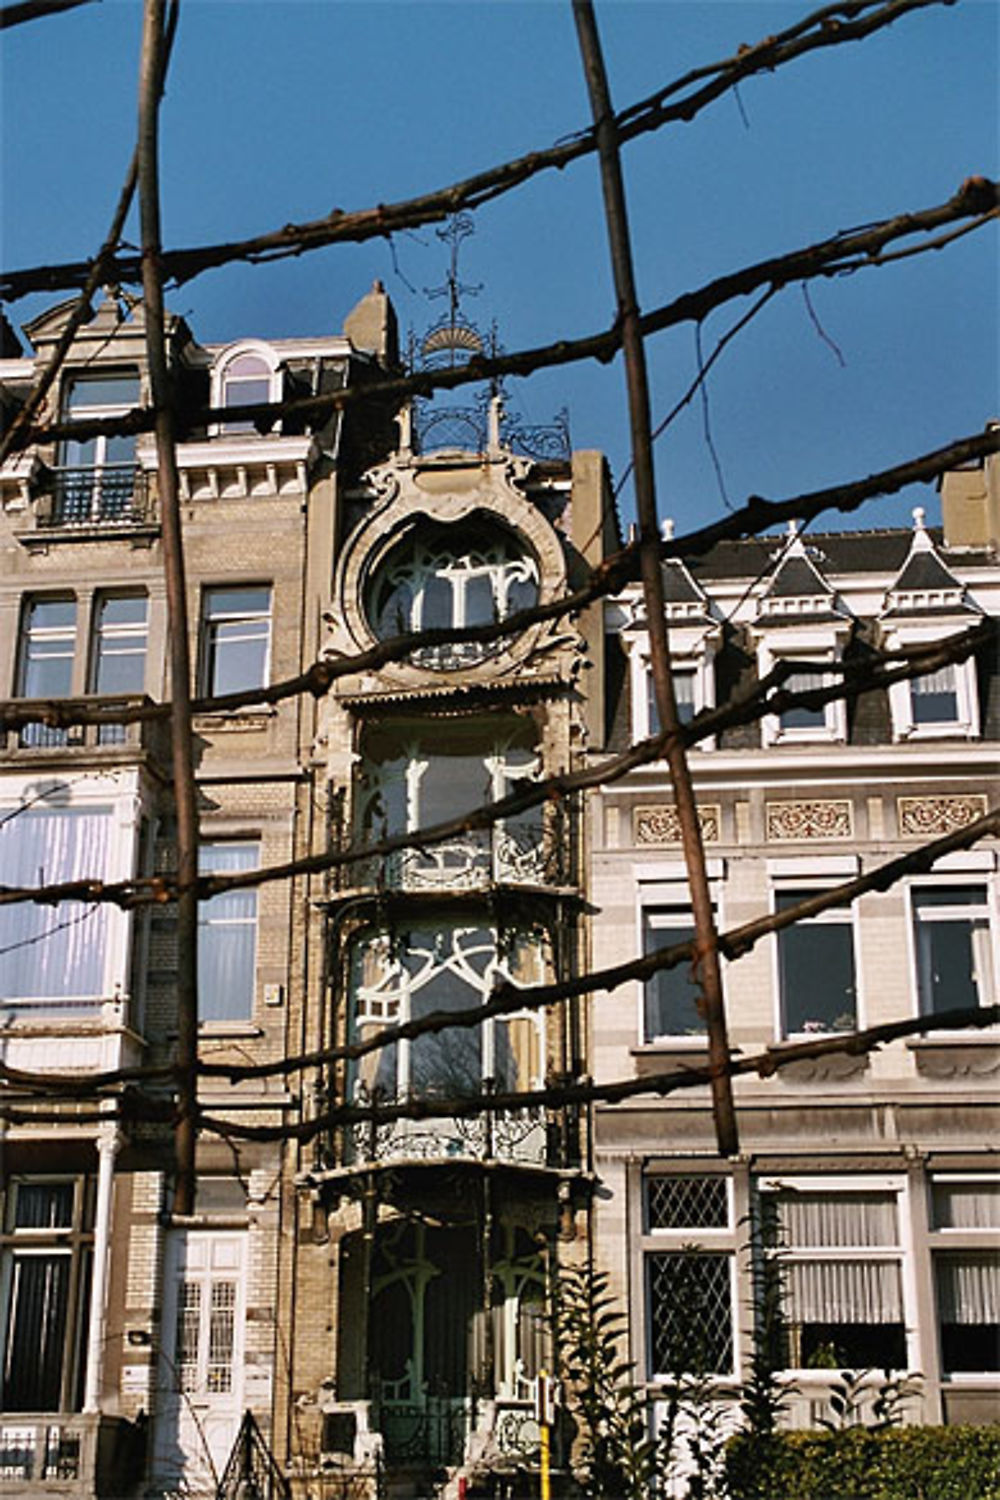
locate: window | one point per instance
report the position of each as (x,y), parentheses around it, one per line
(816,979)
(838,1257)
(246,379)
(955,962)
(227,936)
(669,1002)
(684,692)
(58,952)
(965,1218)
(689,1286)
(801,718)
(411,779)
(799,723)
(45,664)
(442,577)
(46,1275)
(119,655)
(118,659)
(96,476)
(402,975)
(236,639)
(936,704)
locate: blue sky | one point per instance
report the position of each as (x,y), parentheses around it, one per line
(281,110)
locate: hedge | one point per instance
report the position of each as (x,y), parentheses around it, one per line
(858,1463)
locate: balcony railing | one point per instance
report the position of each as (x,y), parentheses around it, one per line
(533,852)
(104,498)
(80,1455)
(517,1136)
(147,736)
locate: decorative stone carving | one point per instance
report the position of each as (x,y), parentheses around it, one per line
(791,821)
(926,817)
(661,825)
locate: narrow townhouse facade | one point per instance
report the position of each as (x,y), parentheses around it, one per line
(434,1244)
(860,1220)
(133,1341)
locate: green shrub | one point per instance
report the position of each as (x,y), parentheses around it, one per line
(900,1463)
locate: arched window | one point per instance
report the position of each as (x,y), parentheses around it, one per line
(441,577)
(246,378)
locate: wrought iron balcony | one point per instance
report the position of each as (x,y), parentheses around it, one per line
(112,496)
(517,1136)
(525,852)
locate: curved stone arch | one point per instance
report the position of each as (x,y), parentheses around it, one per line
(445,495)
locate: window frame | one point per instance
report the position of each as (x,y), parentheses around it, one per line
(112,928)
(221,378)
(692,653)
(716,1242)
(966,722)
(665,889)
(100,634)
(833,730)
(945,1240)
(94,493)
(211,620)
(900,1253)
(72,1242)
(804,885)
(244,1019)
(972,873)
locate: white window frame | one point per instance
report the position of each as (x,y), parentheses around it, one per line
(123,807)
(721,1241)
(965,724)
(239,431)
(665,888)
(902,1252)
(968,869)
(948,1240)
(833,730)
(815,875)
(105,636)
(691,652)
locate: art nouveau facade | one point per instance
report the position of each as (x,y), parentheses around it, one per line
(872,1182)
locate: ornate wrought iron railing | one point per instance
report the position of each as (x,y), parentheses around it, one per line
(508,1135)
(113,495)
(526,852)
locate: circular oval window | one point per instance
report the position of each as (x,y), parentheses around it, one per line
(451,577)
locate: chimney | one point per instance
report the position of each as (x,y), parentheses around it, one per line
(372,328)
(970,503)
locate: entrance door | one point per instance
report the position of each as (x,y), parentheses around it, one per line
(427,1288)
(200,1396)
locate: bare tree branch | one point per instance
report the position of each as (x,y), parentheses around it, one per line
(34,10)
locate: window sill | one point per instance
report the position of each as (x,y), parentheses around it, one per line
(213,1029)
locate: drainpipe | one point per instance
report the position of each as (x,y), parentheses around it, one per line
(108,1143)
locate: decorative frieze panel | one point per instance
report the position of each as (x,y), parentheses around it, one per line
(795,821)
(927,817)
(661,825)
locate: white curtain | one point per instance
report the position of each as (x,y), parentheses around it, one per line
(968,1288)
(837,1220)
(844,1292)
(967,1205)
(53,951)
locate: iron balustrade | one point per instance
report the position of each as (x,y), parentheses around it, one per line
(109,496)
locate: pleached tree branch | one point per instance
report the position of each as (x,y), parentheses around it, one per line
(831,26)
(35,10)
(837,255)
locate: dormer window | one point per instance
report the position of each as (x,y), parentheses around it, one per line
(927,603)
(800,619)
(249,377)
